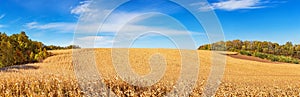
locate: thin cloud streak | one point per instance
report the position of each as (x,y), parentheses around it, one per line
(2,16)
(59,26)
(231,5)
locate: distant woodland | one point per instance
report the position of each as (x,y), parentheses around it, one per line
(287,52)
(19,49)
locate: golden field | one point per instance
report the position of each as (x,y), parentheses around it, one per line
(55,76)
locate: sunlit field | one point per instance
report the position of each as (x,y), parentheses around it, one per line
(55,76)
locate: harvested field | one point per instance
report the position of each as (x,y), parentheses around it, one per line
(55,76)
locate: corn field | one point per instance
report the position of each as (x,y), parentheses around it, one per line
(55,76)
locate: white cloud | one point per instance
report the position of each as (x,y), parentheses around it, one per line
(89,11)
(129,28)
(94,41)
(127,32)
(238,4)
(2,16)
(231,5)
(82,8)
(60,26)
(91,38)
(1,26)
(92,16)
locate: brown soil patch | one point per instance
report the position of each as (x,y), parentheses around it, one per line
(239,56)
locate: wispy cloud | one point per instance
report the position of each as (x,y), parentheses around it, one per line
(238,4)
(231,5)
(127,23)
(60,26)
(95,41)
(82,8)
(127,31)
(91,14)
(2,16)
(1,26)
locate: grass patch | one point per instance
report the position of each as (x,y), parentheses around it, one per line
(274,58)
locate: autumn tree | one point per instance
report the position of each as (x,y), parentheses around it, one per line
(262,49)
(19,49)
(287,49)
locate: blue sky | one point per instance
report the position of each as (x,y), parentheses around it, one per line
(54,22)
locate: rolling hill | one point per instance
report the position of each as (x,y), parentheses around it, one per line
(55,76)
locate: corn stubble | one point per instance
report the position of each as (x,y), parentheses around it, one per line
(55,76)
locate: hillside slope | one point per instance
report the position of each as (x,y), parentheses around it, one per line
(55,75)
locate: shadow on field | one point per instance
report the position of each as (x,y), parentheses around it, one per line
(18,67)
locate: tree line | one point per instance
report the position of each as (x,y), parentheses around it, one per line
(19,49)
(53,47)
(262,49)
